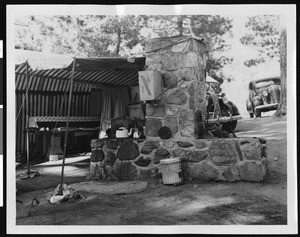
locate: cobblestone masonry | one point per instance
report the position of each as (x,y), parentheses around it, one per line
(225,159)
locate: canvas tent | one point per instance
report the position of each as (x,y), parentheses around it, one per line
(45,79)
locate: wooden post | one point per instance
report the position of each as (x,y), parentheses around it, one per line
(67,128)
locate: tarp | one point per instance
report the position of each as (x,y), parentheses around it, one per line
(42,61)
(88,71)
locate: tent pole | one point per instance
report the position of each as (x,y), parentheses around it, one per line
(27,118)
(67,128)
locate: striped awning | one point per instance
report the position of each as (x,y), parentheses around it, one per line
(52,71)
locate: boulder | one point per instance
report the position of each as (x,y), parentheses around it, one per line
(155,110)
(252,171)
(144,162)
(197,156)
(160,154)
(177,97)
(231,174)
(128,150)
(97,155)
(97,143)
(204,170)
(149,146)
(223,152)
(184,144)
(110,159)
(199,144)
(252,149)
(112,144)
(125,171)
(152,127)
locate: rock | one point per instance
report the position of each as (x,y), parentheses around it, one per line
(160,154)
(144,162)
(177,97)
(125,171)
(155,110)
(97,155)
(180,47)
(152,127)
(199,144)
(68,194)
(172,110)
(189,74)
(112,144)
(252,149)
(168,143)
(251,171)
(191,60)
(197,156)
(97,143)
(110,158)
(231,174)
(128,150)
(57,199)
(169,80)
(170,62)
(202,170)
(149,146)
(184,144)
(223,152)
(172,123)
(186,123)
(191,91)
(182,153)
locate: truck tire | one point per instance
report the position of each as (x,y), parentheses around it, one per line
(257,113)
(230,126)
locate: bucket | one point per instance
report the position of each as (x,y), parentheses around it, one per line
(171,170)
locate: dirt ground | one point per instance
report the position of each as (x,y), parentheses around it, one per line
(192,203)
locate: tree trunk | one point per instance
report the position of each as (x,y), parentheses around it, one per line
(118,42)
(282,110)
(180,24)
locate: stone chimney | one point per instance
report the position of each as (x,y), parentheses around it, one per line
(181,61)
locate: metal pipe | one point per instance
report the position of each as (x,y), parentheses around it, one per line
(67,128)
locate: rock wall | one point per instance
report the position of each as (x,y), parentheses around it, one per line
(230,159)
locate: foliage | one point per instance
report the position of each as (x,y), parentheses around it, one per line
(264,36)
(104,36)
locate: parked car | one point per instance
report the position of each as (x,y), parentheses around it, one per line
(264,95)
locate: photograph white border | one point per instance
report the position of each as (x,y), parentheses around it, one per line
(288,10)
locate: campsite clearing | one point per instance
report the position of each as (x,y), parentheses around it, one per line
(193,203)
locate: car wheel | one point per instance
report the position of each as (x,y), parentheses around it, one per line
(251,115)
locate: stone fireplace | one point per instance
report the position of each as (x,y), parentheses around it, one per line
(182,62)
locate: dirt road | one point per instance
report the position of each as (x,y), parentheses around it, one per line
(193,203)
